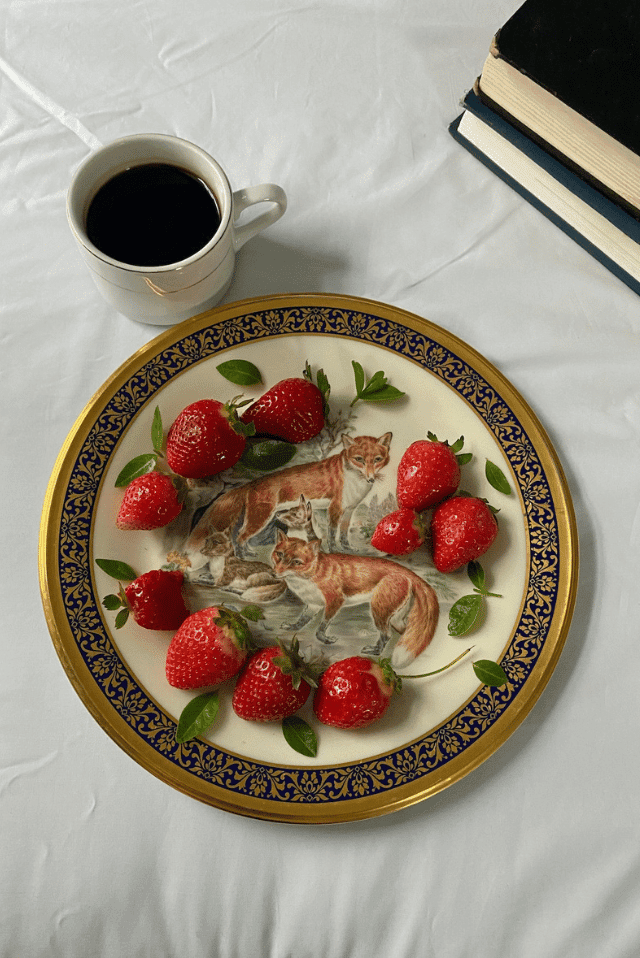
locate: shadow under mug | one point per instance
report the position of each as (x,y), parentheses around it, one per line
(165,295)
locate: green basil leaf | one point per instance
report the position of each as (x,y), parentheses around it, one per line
(157,432)
(197,716)
(111,602)
(476,574)
(240,372)
(121,618)
(377,381)
(490,673)
(385,394)
(496,478)
(300,736)
(267,454)
(464,614)
(359,376)
(117,570)
(139,466)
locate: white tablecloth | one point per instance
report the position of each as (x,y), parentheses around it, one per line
(346,105)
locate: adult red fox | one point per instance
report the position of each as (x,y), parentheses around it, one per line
(398,598)
(341,481)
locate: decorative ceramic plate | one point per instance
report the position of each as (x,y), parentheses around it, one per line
(440,728)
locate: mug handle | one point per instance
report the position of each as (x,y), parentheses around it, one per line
(264,193)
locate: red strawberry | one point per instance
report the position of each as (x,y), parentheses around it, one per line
(462,530)
(271,686)
(156,601)
(206,438)
(154,598)
(354,692)
(149,502)
(293,409)
(428,472)
(399,533)
(210,647)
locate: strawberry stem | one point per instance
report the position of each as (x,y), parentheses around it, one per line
(424,675)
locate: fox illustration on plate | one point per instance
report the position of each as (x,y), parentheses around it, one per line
(396,596)
(285,541)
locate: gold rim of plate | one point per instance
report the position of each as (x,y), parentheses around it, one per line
(293,793)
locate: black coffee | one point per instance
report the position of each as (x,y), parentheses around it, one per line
(152,215)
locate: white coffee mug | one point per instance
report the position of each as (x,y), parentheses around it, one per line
(164,295)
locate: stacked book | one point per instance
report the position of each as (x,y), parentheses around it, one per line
(556,114)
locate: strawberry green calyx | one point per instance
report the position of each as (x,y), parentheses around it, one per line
(393,680)
(230,413)
(291,663)
(456,448)
(420,525)
(242,635)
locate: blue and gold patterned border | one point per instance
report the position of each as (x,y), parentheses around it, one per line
(229,780)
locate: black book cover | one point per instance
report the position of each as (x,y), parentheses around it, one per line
(585,52)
